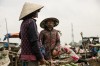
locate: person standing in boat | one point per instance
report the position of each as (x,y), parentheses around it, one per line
(49,36)
(28,34)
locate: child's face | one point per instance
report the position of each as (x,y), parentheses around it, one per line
(50,24)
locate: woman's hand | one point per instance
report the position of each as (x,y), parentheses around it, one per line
(7,36)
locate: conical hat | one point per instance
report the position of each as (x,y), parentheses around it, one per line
(28,8)
(56,22)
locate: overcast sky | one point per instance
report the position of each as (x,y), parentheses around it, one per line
(83,14)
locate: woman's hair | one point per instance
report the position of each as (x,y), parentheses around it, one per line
(33,14)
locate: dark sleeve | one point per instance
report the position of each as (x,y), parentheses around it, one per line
(33,38)
(32,34)
(20,34)
(36,51)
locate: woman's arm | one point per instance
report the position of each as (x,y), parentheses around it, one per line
(14,35)
(11,35)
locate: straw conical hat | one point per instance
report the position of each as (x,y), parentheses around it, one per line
(56,22)
(28,8)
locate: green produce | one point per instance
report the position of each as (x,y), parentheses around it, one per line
(73,64)
(68,65)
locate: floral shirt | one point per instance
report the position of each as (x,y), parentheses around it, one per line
(50,40)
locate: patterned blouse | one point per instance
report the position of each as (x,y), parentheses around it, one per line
(29,41)
(50,40)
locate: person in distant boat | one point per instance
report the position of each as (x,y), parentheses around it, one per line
(28,34)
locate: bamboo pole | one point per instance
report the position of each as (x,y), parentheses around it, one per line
(7,33)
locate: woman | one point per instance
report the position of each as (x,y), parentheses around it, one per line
(49,36)
(28,34)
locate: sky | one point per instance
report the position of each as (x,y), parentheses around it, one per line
(83,14)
